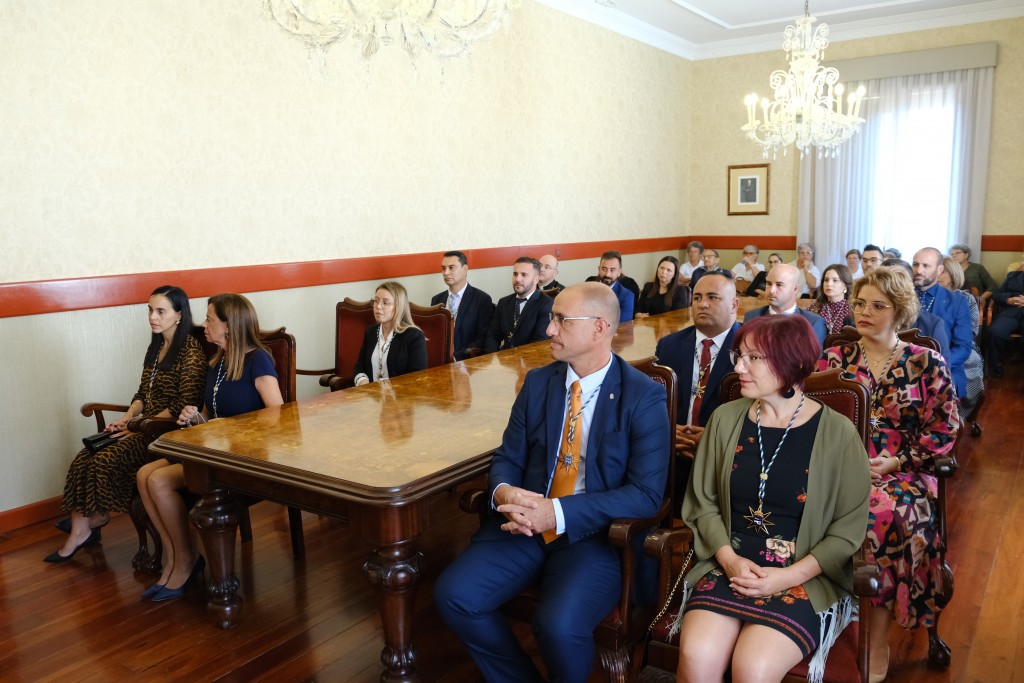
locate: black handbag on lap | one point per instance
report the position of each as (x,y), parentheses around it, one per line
(97,442)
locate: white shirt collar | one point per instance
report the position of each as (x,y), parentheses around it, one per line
(591,381)
(460,292)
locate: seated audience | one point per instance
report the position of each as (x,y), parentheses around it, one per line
(832,304)
(782,289)
(699,355)
(172,377)
(953,311)
(913,420)
(240,378)
(711,259)
(892,252)
(810,276)
(609,424)
(548,273)
(952,278)
(853,264)
(626,291)
(521,317)
(748,267)
(1008,319)
(664,293)
(394,345)
(774,539)
(694,260)
(471,307)
(760,282)
(975,274)
(871,258)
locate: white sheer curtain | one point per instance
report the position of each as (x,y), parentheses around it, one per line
(913,176)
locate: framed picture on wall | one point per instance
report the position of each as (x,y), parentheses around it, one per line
(748,190)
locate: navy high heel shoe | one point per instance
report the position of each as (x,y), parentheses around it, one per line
(153,590)
(56,558)
(165,593)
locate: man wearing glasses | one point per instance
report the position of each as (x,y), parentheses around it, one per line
(586,443)
(871,258)
(748,267)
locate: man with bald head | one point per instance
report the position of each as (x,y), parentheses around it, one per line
(700,357)
(782,287)
(548,273)
(587,443)
(953,310)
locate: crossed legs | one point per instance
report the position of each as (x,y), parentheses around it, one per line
(710,643)
(159,483)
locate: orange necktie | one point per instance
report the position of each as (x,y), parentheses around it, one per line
(567,469)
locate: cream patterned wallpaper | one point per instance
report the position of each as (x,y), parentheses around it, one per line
(146,136)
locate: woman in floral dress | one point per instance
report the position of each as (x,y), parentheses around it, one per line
(913,420)
(777,502)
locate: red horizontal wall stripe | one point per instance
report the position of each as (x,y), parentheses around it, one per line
(54,296)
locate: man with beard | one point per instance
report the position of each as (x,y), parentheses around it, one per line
(610,272)
(953,310)
(521,317)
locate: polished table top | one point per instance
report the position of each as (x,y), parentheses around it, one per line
(392,442)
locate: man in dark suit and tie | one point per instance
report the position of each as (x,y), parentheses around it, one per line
(782,287)
(700,357)
(953,310)
(586,443)
(471,307)
(521,317)
(548,273)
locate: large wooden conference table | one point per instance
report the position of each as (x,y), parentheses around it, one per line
(374,455)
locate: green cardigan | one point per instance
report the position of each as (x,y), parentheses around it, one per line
(835,516)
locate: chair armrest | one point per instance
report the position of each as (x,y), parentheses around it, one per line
(473,352)
(327,371)
(473,501)
(97,409)
(946,467)
(669,547)
(621,534)
(153,427)
(865,581)
(337,382)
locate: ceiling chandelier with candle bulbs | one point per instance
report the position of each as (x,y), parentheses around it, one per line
(808,109)
(445,28)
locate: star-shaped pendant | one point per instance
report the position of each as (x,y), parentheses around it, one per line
(758,520)
(568,462)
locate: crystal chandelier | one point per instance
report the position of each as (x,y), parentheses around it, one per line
(446,28)
(808,107)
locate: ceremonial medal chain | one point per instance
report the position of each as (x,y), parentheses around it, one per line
(759,518)
(567,461)
(877,413)
(698,390)
(221,374)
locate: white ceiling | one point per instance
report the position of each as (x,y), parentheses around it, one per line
(703,29)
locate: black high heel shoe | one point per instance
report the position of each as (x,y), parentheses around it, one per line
(56,558)
(165,593)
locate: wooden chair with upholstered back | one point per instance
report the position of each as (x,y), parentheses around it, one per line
(618,633)
(438,327)
(281,346)
(351,319)
(848,658)
(945,468)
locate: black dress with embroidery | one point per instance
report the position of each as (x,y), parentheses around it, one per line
(789,612)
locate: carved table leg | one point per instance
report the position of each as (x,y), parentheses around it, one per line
(394,570)
(216,517)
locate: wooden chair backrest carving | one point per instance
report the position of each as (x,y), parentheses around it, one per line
(438,327)
(850,335)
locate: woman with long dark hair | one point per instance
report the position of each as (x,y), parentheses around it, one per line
(831,303)
(663,293)
(172,377)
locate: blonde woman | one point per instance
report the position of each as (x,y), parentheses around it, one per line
(240,378)
(394,345)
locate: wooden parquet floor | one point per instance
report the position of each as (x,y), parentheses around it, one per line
(316,619)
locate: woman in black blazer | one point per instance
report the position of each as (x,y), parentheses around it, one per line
(663,293)
(394,345)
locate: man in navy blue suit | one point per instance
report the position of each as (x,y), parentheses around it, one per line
(522,316)
(698,373)
(953,310)
(471,307)
(620,466)
(782,287)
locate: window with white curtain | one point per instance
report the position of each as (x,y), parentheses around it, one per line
(913,176)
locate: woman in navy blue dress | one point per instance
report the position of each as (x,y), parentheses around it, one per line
(241,378)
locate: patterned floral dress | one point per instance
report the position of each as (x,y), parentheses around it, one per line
(914,417)
(789,612)
(105,482)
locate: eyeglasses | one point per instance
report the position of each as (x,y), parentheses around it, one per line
(750,253)
(383,303)
(858,305)
(560,320)
(751,359)
(872,259)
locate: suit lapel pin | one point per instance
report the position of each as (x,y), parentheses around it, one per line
(611,396)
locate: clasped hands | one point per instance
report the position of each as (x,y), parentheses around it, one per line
(749,580)
(881,466)
(527,512)
(118,429)
(188,414)
(688,438)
